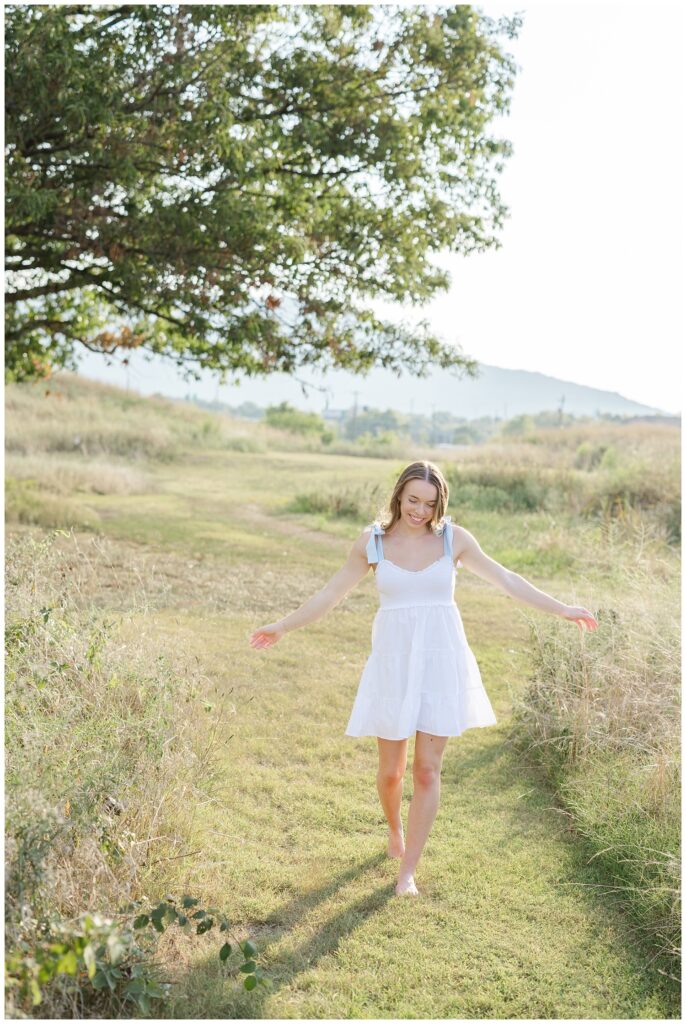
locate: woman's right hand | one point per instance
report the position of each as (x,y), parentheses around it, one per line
(266,636)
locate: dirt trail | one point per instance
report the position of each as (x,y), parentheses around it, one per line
(285,526)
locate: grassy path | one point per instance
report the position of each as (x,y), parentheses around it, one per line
(292,841)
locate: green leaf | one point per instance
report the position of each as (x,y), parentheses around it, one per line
(134,987)
(204,926)
(156,991)
(112,975)
(67,964)
(248,967)
(248,948)
(189,901)
(250,982)
(36,995)
(141,921)
(46,971)
(224,952)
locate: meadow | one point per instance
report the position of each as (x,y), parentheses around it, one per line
(151,753)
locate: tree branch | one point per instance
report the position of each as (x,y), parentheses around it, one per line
(29,325)
(53,288)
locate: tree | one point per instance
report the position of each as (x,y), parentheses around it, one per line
(374,422)
(225,185)
(286,417)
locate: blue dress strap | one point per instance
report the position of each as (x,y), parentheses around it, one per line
(447,535)
(372,552)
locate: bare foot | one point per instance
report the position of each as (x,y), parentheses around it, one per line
(396,843)
(406,886)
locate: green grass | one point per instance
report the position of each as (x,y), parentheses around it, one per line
(505,926)
(284,825)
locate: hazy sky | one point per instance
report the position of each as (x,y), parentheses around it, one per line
(588,281)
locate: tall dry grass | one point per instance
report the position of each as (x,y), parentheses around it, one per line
(601,717)
(76,416)
(68,475)
(634,474)
(107,755)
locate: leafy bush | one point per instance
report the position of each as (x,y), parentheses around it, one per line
(285,417)
(518,425)
(107,962)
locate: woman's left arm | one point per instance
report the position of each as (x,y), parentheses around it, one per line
(477,561)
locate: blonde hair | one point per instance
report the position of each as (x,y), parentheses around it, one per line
(421,470)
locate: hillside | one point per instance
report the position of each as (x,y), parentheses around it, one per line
(497,391)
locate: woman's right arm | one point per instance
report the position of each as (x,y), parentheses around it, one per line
(348,576)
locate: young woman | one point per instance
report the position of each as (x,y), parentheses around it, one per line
(421,678)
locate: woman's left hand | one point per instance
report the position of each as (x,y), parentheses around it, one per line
(580,615)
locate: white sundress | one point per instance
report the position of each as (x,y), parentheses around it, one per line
(421,673)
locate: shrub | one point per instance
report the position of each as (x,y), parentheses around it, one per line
(286,417)
(501,488)
(106,963)
(352,502)
(589,455)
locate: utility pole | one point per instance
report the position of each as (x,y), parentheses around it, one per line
(560,411)
(355,393)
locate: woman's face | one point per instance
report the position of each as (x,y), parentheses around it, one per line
(418,503)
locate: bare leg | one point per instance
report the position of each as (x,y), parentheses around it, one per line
(389,783)
(426,774)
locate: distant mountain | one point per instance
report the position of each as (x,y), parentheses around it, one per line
(506,393)
(496,392)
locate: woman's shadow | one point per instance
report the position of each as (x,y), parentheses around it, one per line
(242,1004)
